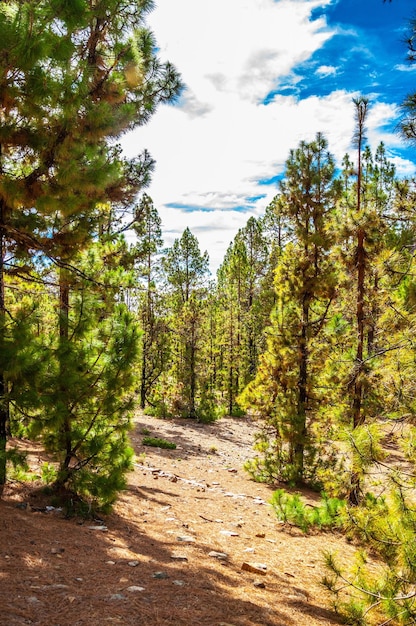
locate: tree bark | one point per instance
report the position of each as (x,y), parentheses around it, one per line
(300,427)
(4,409)
(63,339)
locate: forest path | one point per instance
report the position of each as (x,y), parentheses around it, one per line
(192,541)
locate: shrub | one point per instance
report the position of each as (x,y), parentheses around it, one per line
(158,443)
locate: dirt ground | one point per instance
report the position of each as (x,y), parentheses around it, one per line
(193,541)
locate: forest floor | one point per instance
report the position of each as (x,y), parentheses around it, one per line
(192,541)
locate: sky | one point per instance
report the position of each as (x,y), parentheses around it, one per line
(260,76)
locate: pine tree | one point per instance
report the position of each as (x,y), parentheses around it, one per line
(285,392)
(186,271)
(154,355)
(74,78)
(243,309)
(86,387)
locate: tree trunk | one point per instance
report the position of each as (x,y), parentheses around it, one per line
(4,409)
(300,426)
(63,340)
(357,416)
(192,367)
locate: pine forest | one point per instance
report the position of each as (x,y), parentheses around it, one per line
(307,329)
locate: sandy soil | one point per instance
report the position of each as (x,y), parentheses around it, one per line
(178,548)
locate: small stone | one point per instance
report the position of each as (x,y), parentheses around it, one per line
(117,596)
(229,533)
(134,588)
(186,539)
(102,528)
(261,535)
(173,479)
(259,584)
(178,557)
(160,575)
(255,568)
(110,562)
(133,563)
(33,600)
(297,595)
(221,556)
(179,583)
(57,550)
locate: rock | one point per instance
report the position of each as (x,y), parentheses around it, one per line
(133,563)
(160,575)
(179,583)
(110,562)
(134,588)
(117,596)
(178,557)
(33,600)
(186,539)
(259,584)
(261,535)
(255,568)
(221,556)
(298,596)
(229,533)
(103,529)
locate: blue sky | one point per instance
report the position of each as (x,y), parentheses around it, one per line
(260,76)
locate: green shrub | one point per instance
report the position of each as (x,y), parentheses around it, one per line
(158,443)
(330,513)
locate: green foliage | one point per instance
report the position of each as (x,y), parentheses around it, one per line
(18,466)
(287,392)
(186,273)
(156,442)
(69,92)
(386,526)
(48,473)
(329,514)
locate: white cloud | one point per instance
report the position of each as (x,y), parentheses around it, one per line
(326,70)
(215,145)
